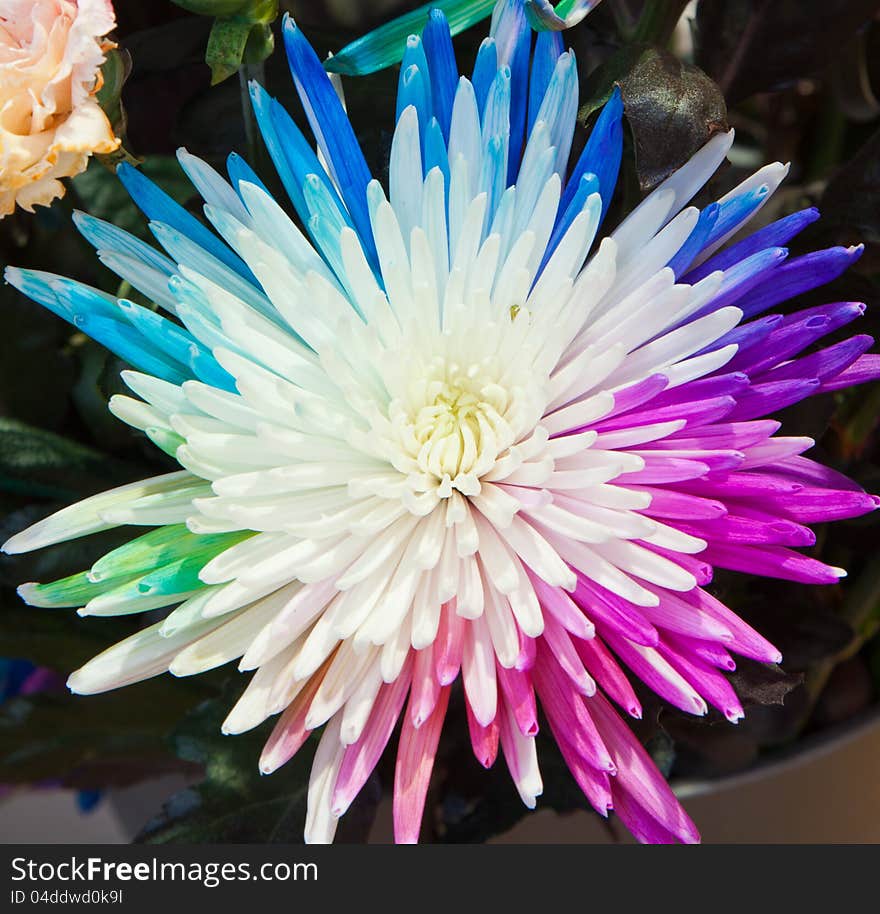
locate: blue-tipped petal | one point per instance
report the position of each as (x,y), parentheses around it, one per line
(485,68)
(165,336)
(412,91)
(559,109)
(548,49)
(589,185)
(131,346)
(496,142)
(190,255)
(239,170)
(414,83)
(697,240)
(736,212)
(262,104)
(104,236)
(157,206)
(332,129)
(602,153)
(149,282)
(325,221)
(436,154)
(776,234)
(513,44)
(78,298)
(37,285)
(442,67)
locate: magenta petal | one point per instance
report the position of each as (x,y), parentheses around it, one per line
(637,777)
(607,672)
(484,740)
(520,698)
(361,757)
(415,761)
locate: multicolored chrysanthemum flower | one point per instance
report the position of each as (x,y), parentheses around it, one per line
(445,435)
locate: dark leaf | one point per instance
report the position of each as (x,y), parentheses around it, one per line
(43,464)
(672,108)
(234,803)
(762,683)
(232,41)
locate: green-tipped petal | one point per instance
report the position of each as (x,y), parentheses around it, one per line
(161,547)
(165,439)
(76,590)
(385,45)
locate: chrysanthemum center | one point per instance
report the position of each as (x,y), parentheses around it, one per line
(454,423)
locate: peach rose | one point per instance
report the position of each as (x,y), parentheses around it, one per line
(51,53)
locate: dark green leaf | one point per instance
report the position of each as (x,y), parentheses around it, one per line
(229,40)
(234,803)
(42,464)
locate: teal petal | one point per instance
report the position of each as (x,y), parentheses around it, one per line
(386,45)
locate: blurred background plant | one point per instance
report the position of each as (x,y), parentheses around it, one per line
(800,81)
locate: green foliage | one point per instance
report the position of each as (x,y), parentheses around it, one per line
(45,465)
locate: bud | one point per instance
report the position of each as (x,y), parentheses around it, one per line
(242,32)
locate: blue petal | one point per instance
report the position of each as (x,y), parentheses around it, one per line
(602,153)
(162,335)
(239,170)
(262,104)
(485,68)
(178,344)
(442,67)
(412,91)
(743,277)
(548,49)
(589,185)
(414,83)
(698,239)
(436,154)
(195,258)
(157,206)
(332,129)
(496,142)
(513,43)
(736,211)
(130,346)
